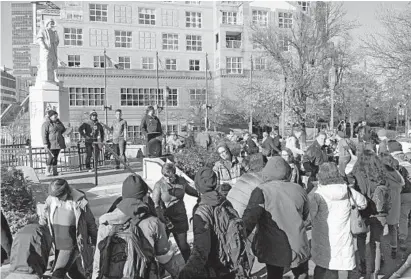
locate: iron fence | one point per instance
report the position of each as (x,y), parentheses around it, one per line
(70,159)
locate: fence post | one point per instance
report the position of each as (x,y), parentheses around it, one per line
(79,154)
(30,153)
(95,163)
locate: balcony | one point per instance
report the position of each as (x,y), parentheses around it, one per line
(233,44)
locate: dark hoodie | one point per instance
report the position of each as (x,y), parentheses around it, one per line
(92,131)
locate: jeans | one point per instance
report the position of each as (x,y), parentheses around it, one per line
(52,159)
(89,154)
(120,149)
(181,241)
(276,272)
(405,212)
(66,264)
(393,233)
(324,273)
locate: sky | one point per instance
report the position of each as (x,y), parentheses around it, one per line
(362,11)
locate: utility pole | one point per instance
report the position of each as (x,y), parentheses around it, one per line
(283,109)
(157,80)
(332,81)
(105,88)
(206,93)
(250,127)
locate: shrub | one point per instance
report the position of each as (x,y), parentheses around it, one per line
(17,201)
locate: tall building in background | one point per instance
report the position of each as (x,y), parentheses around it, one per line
(8,90)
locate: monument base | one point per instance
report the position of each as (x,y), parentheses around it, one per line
(45,96)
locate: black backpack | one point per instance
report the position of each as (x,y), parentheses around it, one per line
(121,255)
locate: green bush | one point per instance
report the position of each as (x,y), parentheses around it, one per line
(17,201)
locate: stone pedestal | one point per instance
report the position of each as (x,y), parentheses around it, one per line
(45,96)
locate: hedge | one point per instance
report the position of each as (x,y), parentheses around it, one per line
(17,201)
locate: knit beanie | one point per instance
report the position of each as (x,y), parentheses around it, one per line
(205,180)
(51,112)
(394,146)
(58,187)
(382,133)
(134,187)
(276,169)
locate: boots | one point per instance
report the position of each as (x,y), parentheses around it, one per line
(55,173)
(48,171)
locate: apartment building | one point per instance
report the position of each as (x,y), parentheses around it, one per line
(8,90)
(181,33)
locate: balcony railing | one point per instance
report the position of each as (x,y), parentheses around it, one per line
(233,44)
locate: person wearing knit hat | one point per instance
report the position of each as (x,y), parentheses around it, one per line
(92,131)
(68,216)
(53,141)
(279,209)
(344,152)
(136,207)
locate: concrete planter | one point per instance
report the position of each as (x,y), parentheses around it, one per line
(132,150)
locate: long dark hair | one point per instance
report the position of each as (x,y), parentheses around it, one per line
(371,167)
(329,174)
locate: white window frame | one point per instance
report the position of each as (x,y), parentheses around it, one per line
(98,12)
(194,43)
(74,60)
(260,64)
(194,65)
(284,42)
(98,37)
(141,97)
(147,40)
(193,19)
(169,17)
(197,96)
(98,61)
(125,61)
(193,2)
(171,64)
(123,14)
(147,63)
(169,41)
(172,102)
(86,96)
(230,18)
(128,39)
(71,15)
(69,33)
(234,65)
(285,20)
(260,17)
(134,132)
(147,16)
(305,5)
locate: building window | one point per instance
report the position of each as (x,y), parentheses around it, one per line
(197,96)
(147,16)
(73,60)
(133,132)
(122,14)
(147,40)
(99,37)
(285,20)
(284,42)
(171,64)
(171,128)
(79,96)
(99,61)
(234,65)
(193,19)
(170,41)
(260,17)
(304,5)
(194,43)
(229,18)
(98,12)
(71,15)
(147,63)
(169,17)
(124,61)
(141,97)
(193,2)
(172,100)
(260,64)
(194,65)
(123,39)
(73,37)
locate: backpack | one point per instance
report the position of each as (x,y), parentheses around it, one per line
(382,200)
(235,251)
(121,255)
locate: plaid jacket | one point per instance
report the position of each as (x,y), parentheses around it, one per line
(228,172)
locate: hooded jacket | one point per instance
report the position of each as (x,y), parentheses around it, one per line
(278,209)
(86,229)
(395,183)
(155,244)
(52,134)
(332,244)
(92,131)
(314,157)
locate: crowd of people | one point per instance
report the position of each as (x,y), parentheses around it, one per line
(252,211)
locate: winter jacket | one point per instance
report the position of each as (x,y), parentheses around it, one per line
(86,229)
(332,244)
(30,251)
(6,237)
(395,183)
(155,244)
(92,131)
(313,158)
(150,124)
(271,147)
(52,134)
(229,172)
(251,147)
(279,209)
